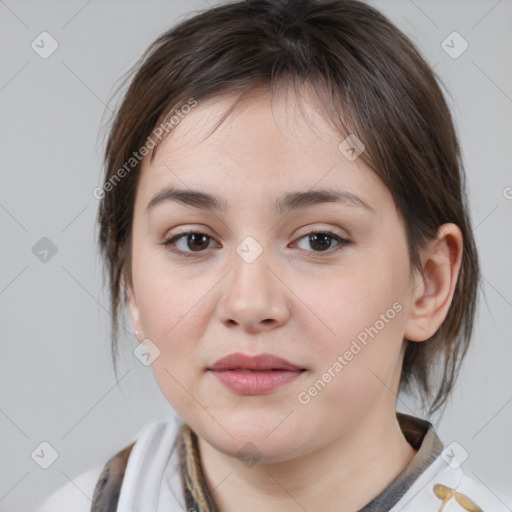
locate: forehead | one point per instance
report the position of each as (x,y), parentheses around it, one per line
(283,142)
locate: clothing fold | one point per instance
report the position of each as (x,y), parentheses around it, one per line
(162,472)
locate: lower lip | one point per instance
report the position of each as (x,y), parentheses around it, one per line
(255,382)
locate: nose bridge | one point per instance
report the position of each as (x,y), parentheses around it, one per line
(250,281)
(252,296)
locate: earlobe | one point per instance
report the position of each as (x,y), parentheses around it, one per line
(134,313)
(434,287)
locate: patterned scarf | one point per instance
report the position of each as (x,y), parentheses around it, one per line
(419,433)
(196,492)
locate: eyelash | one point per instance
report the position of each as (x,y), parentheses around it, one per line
(316,254)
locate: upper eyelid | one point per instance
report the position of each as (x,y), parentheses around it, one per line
(310,231)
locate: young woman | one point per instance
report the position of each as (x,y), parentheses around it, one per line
(283,214)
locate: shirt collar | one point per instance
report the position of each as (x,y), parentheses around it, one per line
(420,434)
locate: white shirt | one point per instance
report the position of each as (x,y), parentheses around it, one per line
(152,481)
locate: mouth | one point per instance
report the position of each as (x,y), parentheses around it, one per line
(254,375)
(261,362)
(258,371)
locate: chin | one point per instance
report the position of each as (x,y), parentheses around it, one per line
(250,445)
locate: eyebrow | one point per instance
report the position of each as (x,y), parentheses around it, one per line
(285,204)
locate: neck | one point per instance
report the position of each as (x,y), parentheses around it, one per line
(342,476)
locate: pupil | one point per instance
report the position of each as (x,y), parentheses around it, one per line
(192,239)
(323,245)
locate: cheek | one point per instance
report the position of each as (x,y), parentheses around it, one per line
(173,316)
(343,304)
(360,361)
(168,298)
(175,310)
(361,316)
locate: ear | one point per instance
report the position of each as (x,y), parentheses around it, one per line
(434,287)
(134,313)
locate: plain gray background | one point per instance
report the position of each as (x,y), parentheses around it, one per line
(57,382)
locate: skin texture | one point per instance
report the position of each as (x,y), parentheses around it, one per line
(344,446)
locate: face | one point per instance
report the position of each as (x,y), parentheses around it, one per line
(277,269)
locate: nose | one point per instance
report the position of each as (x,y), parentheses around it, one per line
(254,297)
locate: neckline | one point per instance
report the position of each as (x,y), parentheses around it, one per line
(419,433)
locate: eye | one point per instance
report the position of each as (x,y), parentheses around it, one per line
(194,240)
(193,243)
(321,242)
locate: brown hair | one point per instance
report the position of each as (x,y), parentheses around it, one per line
(372,82)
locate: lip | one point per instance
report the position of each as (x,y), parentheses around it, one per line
(260,362)
(254,375)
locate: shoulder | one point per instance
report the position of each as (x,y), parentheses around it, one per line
(445,486)
(75,495)
(149,446)
(480,494)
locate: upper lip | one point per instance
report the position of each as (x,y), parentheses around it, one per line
(239,361)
